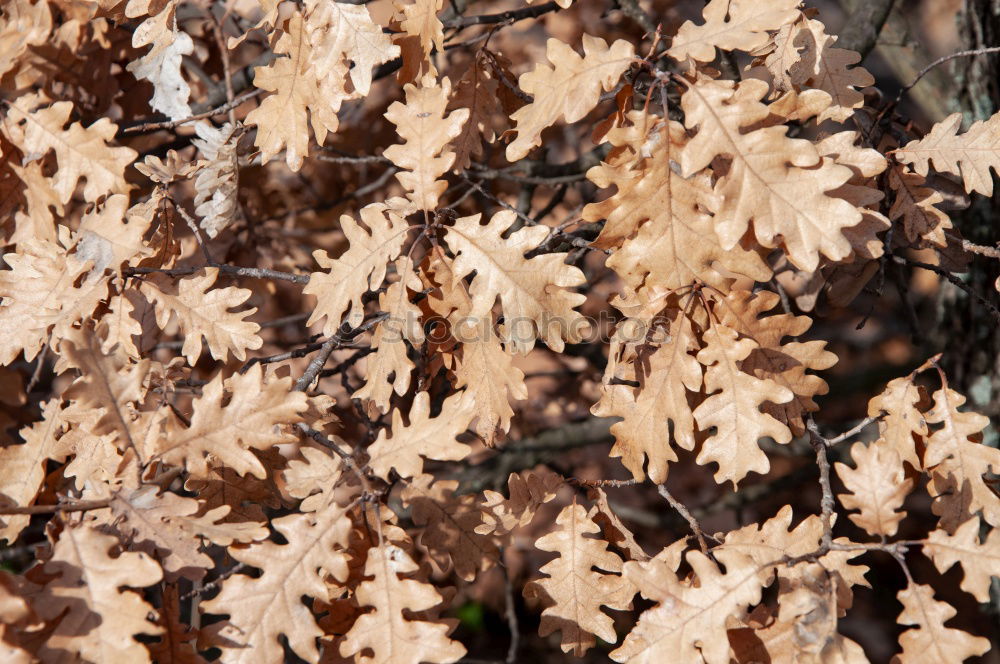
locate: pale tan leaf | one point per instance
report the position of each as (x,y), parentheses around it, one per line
(786,363)
(426,132)
(731,25)
(253,418)
(201,312)
(419,19)
(666,373)
(776,182)
(688,622)
(980,561)
(970,155)
(733,407)
(358,270)
(826,68)
(877,487)
(263,609)
(528,491)
(169,523)
(24,465)
(585,577)
(535,292)
(956,463)
(931,642)
(313,478)
(424,437)
(81,152)
(903,425)
(41,299)
(110,237)
(283,118)
(97,619)
(658,220)
(569,88)
(391,636)
(390,339)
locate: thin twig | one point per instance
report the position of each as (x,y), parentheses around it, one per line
(503,17)
(955,281)
(945,58)
(252,272)
(853,431)
(225,108)
(79,506)
(510,611)
(819,444)
(683,511)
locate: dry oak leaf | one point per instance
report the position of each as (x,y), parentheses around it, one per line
(24,465)
(424,436)
(487,373)
(346,43)
(109,385)
(822,66)
(80,152)
(203,312)
(172,525)
(449,525)
(263,609)
(283,118)
(956,464)
(44,295)
(358,270)
(784,363)
(419,19)
(392,637)
(426,132)
(970,155)
(732,25)
(585,577)
(478,92)
(659,219)
(483,368)
(97,620)
(615,531)
(733,407)
(215,185)
(980,561)
(528,491)
(688,623)
(110,235)
(317,76)
(252,419)
(876,487)
(666,373)
(569,88)
(314,477)
(23,25)
(914,204)
(771,638)
(931,642)
(161,65)
(535,292)
(778,183)
(401,325)
(901,406)
(177,644)
(769,543)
